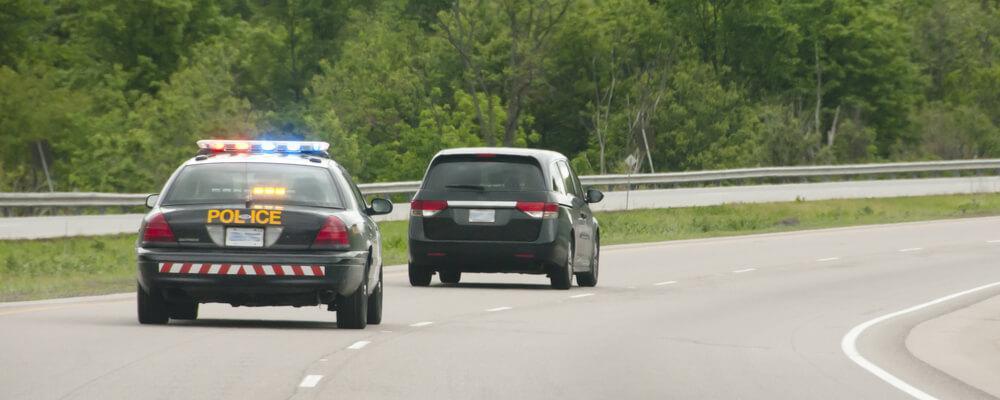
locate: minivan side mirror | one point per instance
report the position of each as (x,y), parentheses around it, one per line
(380,207)
(152,199)
(594,196)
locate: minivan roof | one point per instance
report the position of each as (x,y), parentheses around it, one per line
(544,156)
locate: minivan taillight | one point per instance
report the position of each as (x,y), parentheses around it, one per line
(158,230)
(427,208)
(537,209)
(332,234)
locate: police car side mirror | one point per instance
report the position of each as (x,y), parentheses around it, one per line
(594,196)
(152,199)
(380,207)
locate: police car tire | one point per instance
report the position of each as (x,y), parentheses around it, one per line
(450,276)
(589,278)
(419,275)
(375,303)
(352,311)
(152,307)
(186,311)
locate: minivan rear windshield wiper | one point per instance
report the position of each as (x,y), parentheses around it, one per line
(473,187)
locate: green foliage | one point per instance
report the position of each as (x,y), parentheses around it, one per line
(119,90)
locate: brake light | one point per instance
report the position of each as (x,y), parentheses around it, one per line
(427,208)
(537,209)
(158,230)
(486,155)
(333,234)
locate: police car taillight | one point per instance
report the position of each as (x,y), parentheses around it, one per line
(332,234)
(537,209)
(158,230)
(427,208)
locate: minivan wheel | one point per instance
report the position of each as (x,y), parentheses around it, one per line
(589,278)
(419,275)
(562,276)
(375,302)
(152,307)
(450,276)
(352,311)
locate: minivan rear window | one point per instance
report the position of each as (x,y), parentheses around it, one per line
(493,174)
(261,183)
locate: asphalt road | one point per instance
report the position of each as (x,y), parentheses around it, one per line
(60,226)
(756,317)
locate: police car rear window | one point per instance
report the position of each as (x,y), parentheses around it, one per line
(488,174)
(261,183)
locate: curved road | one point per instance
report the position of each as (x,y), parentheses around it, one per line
(755,317)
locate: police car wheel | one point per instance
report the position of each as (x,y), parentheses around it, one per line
(352,311)
(450,276)
(589,278)
(183,310)
(151,306)
(562,275)
(419,275)
(375,303)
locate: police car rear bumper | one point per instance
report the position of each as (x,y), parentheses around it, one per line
(251,279)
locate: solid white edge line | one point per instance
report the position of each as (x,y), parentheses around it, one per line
(310,381)
(498,309)
(993,241)
(849,343)
(909,249)
(358,345)
(740,271)
(577,296)
(664,283)
(419,324)
(827,259)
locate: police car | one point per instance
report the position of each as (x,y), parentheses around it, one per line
(260,223)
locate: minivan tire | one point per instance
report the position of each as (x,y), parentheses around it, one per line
(589,278)
(450,276)
(419,275)
(375,302)
(562,275)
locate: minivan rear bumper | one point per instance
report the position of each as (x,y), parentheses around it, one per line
(528,258)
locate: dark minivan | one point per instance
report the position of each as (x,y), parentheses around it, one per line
(503,210)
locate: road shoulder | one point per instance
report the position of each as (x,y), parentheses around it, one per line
(964,344)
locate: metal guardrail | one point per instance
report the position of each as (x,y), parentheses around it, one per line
(74,199)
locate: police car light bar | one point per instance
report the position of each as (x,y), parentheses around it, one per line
(261,146)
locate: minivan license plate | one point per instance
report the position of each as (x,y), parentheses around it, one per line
(245,237)
(482,216)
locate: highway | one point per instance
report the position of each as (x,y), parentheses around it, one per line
(753,317)
(61,226)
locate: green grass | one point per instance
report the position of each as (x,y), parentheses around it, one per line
(35,269)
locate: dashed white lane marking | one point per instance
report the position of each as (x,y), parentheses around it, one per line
(909,249)
(993,241)
(827,259)
(849,344)
(498,309)
(419,324)
(323,360)
(664,283)
(358,345)
(740,271)
(310,381)
(581,295)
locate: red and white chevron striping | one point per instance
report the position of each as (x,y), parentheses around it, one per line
(242,269)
